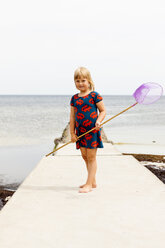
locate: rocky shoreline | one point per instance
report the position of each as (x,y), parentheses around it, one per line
(157,167)
(6,192)
(155,163)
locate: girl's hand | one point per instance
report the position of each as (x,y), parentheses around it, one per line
(74,137)
(97,124)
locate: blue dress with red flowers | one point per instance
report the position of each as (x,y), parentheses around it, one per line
(85,118)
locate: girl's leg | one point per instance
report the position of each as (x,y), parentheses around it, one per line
(92,167)
(84,156)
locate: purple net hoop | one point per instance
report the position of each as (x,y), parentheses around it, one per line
(148,93)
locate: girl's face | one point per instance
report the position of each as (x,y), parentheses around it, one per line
(82,84)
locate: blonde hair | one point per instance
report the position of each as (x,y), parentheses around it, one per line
(83,72)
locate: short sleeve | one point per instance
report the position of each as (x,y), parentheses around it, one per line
(98,97)
(72,101)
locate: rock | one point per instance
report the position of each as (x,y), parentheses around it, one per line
(147,157)
(5,195)
(7,198)
(1,204)
(158,171)
(66,136)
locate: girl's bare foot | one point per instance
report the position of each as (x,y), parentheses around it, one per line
(94,185)
(87,188)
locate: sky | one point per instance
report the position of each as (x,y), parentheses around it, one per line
(121,43)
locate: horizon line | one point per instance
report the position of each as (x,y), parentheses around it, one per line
(57,95)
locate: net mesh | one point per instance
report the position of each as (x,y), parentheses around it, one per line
(148,93)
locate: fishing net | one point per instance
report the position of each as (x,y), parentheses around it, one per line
(148,93)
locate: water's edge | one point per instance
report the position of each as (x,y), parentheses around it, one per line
(157,166)
(6,191)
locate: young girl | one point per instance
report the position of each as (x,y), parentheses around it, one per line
(84,117)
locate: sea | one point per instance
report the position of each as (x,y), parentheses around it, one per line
(30,123)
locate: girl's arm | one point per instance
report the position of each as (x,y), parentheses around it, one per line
(72,120)
(102,111)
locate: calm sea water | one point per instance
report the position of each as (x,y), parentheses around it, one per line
(29,125)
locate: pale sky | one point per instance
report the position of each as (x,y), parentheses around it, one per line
(42,43)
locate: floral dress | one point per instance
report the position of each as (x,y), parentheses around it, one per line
(85,119)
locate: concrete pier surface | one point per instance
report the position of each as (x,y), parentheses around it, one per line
(126,210)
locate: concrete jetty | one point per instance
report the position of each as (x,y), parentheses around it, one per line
(126,210)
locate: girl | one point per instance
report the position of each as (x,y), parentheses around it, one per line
(83,117)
